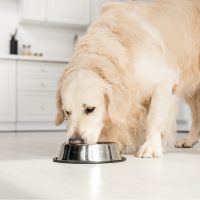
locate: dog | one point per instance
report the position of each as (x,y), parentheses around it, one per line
(129,71)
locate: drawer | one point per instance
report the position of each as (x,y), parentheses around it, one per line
(36,106)
(39,69)
(40,84)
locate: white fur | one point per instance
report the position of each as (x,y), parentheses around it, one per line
(148,27)
(156,78)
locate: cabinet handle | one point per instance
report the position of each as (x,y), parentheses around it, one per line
(42,70)
(42,85)
(42,107)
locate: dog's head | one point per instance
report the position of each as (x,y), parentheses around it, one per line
(86,100)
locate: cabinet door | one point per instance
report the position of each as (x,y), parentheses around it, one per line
(7,91)
(36,106)
(37,84)
(38,76)
(33,10)
(76,12)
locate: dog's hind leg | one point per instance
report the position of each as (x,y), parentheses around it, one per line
(192,137)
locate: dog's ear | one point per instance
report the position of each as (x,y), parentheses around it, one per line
(60,113)
(118,105)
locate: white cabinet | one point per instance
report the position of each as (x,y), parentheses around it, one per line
(76,12)
(28,94)
(37,84)
(36,94)
(56,12)
(33,10)
(38,76)
(7,91)
(36,106)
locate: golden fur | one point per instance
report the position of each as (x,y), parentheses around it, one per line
(110,47)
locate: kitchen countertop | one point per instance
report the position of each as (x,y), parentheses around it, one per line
(33,58)
(27,172)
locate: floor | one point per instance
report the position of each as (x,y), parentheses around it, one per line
(27,172)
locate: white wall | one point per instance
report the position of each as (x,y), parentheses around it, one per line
(51,41)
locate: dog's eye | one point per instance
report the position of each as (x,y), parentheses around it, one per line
(89,110)
(68,113)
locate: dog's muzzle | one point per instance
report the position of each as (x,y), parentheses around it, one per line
(76,141)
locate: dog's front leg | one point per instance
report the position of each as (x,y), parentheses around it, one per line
(160,120)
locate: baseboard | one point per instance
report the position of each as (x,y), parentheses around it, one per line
(7,126)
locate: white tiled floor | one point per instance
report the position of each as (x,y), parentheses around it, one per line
(27,172)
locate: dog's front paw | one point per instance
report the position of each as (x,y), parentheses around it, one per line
(186,142)
(150,149)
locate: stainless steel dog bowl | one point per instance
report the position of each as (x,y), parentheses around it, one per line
(103,152)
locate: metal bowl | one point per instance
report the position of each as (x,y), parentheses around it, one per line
(102,152)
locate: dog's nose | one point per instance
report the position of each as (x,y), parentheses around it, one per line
(76,138)
(76,141)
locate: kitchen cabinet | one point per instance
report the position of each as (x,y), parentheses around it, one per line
(33,10)
(36,106)
(7,91)
(53,12)
(28,93)
(76,12)
(37,84)
(36,94)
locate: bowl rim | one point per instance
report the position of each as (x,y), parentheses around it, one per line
(84,144)
(87,162)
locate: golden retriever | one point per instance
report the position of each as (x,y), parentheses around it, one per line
(128,72)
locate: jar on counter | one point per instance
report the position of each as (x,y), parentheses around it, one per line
(26,50)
